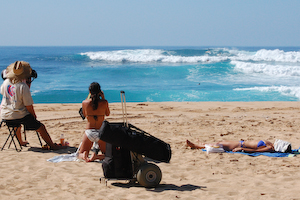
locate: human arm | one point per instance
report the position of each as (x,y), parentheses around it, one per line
(95,156)
(95,150)
(107,111)
(102,95)
(27,99)
(82,111)
(2,89)
(250,150)
(31,110)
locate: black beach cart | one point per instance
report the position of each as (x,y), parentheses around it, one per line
(127,151)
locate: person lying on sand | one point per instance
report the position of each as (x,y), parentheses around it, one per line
(94,109)
(248,146)
(17,102)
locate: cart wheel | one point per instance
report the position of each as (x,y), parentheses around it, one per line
(149,175)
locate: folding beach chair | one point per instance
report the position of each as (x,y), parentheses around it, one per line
(12,126)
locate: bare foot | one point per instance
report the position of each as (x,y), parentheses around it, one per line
(24,144)
(193,146)
(99,157)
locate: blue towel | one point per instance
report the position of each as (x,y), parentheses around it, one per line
(273,154)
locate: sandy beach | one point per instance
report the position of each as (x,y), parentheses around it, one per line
(191,174)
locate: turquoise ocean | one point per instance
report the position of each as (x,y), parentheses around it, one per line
(157,74)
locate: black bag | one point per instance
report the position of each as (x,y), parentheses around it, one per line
(117,162)
(135,140)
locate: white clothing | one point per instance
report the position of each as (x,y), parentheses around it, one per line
(92,134)
(15,99)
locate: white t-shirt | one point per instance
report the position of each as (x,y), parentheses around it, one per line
(15,98)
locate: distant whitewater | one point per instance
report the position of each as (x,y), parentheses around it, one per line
(156,74)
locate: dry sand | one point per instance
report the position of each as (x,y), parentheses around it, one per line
(191,174)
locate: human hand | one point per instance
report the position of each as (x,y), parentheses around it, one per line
(92,158)
(237,149)
(102,95)
(95,156)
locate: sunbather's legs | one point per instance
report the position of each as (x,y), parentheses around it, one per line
(200,145)
(227,145)
(195,146)
(230,145)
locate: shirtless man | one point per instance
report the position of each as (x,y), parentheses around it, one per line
(94,109)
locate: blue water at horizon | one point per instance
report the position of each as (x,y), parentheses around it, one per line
(157,74)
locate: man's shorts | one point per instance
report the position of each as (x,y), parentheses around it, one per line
(28,121)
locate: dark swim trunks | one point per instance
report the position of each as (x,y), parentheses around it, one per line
(29,122)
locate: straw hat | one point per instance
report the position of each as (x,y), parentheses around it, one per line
(18,71)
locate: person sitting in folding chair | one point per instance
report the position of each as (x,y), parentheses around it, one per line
(17,102)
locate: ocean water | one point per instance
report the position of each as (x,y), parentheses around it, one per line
(157,74)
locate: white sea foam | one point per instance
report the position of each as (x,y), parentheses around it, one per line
(267,69)
(215,55)
(34,92)
(284,90)
(149,55)
(266,55)
(277,56)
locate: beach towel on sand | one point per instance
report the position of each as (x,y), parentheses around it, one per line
(269,154)
(70,157)
(60,158)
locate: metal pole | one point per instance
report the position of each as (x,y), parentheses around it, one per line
(123,100)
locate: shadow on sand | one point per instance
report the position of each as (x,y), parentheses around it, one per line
(162,187)
(68,150)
